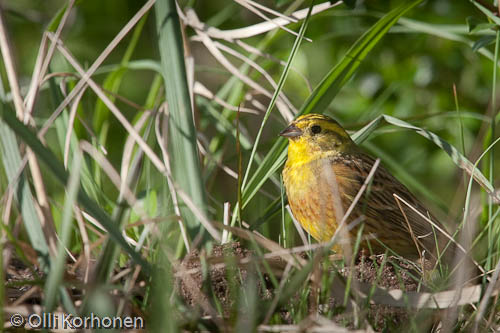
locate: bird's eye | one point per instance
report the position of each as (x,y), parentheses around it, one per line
(316,129)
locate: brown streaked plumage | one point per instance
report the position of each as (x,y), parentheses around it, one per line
(324,172)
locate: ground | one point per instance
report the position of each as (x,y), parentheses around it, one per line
(213,284)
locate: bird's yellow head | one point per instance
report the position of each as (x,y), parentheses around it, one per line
(315,136)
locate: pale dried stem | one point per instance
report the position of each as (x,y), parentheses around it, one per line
(412,234)
(225,221)
(98,62)
(276,298)
(362,190)
(37,78)
(114,110)
(163,147)
(271,11)
(201,90)
(129,285)
(152,220)
(100,229)
(249,97)
(225,168)
(41,67)
(330,176)
(256,29)
(45,213)
(441,230)
(254,10)
(258,68)
(26,295)
(491,290)
(113,175)
(128,150)
(268,56)
(10,69)
(140,141)
(46,220)
(94,226)
(6,200)
(284,254)
(212,48)
(85,241)
(440,300)
(71,121)
(297,226)
(125,191)
(268,244)
(7,206)
(120,274)
(199,214)
(460,277)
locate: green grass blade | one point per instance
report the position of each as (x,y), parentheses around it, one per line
(276,153)
(331,84)
(162,310)
(271,163)
(88,180)
(367,130)
(492,235)
(114,79)
(404,176)
(185,162)
(11,158)
(54,23)
(61,175)
(121,214)
(223,125)
(487,12)
(56,273)
(460,160)
(282,80)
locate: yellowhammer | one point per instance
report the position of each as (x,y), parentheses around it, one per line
(323,174)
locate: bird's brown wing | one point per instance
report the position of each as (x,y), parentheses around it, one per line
(390,208)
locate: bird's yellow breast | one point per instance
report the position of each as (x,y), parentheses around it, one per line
(311,189)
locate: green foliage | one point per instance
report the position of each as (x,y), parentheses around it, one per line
(385,70)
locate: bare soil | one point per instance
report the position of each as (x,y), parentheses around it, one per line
(208,283)
(211,276)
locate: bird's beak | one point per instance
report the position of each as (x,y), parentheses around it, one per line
(291,131)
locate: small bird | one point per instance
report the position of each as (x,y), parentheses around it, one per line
(324,172)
